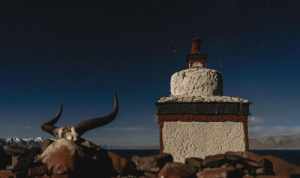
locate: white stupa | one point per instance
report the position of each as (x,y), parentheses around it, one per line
(196,120)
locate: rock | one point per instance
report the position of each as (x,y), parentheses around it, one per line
(219,173)
(230,166)
(234,157)
(214,161)
(60,176)
(37,171)
(267,167)
(4,158)
(282,167)
(15,149)
(260,171)
(264,167)
(177,170)
(7,173)
(243,155)
(253,157)
(23,162)
(242,162)
(121,165)
(151,163)
(252,164)
(149,175)
(264,176)
(195,163)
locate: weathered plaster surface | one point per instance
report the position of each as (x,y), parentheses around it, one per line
(203,99)
(199,139)
(196,81)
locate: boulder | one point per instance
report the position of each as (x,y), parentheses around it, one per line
(149,175)
(214,161)
(121,165)
(219,173)
(195,163)
(264,176)
(23,162)
(151,163)
(282,167)
(37,171)
(4,158)
(234,157)
(246,155)
(177,170)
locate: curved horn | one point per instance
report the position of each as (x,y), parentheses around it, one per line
(89,124)
(49,126)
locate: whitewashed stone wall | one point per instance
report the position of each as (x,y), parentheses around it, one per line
(196,81)
(199,139)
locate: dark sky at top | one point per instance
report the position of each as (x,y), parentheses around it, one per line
(78,53)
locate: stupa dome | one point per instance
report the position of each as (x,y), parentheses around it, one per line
(196,80)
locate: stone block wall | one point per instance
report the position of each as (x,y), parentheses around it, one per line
(186,136)
(195,132)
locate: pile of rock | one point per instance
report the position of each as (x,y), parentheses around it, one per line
(150,166)
(17,157)
(228,165)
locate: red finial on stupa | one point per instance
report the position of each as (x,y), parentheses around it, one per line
(196,45)
(195,59)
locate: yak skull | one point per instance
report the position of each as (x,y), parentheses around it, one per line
(61,155)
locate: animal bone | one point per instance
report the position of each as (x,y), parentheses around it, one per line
(67,153)
(74,132)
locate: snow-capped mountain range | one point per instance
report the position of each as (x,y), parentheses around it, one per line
(17,140)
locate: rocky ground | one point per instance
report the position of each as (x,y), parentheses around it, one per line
(228,165)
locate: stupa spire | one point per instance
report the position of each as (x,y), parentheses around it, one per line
(195,58)
(196,46)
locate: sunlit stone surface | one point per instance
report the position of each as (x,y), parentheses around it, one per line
(200,139)
(196,81)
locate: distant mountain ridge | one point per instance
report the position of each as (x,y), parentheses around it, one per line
(17,140)
(275,142)
(29,139)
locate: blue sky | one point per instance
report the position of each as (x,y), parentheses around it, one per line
(79,54)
